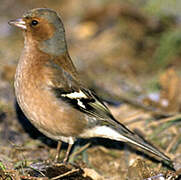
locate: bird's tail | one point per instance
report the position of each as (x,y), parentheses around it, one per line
(127,136)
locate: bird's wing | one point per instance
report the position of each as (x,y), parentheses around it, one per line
(85,101)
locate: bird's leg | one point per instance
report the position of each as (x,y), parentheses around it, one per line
(58,151)
(67,153)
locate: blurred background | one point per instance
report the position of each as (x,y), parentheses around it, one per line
(129,53)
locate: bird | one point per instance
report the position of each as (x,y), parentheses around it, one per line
(51,93)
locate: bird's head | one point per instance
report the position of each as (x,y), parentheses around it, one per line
(44,27)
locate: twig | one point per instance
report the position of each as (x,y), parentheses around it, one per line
(156,123)
(37,171)
(80,150)
(175,139)
(65,174)
(133,118)
(33,178)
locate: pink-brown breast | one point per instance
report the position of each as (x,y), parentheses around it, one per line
(50,115)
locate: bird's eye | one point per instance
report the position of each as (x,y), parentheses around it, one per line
(34,22)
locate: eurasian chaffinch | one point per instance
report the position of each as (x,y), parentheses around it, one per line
(50,93)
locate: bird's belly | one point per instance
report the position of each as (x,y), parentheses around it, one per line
(48,114)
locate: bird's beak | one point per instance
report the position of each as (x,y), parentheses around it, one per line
(19,23)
